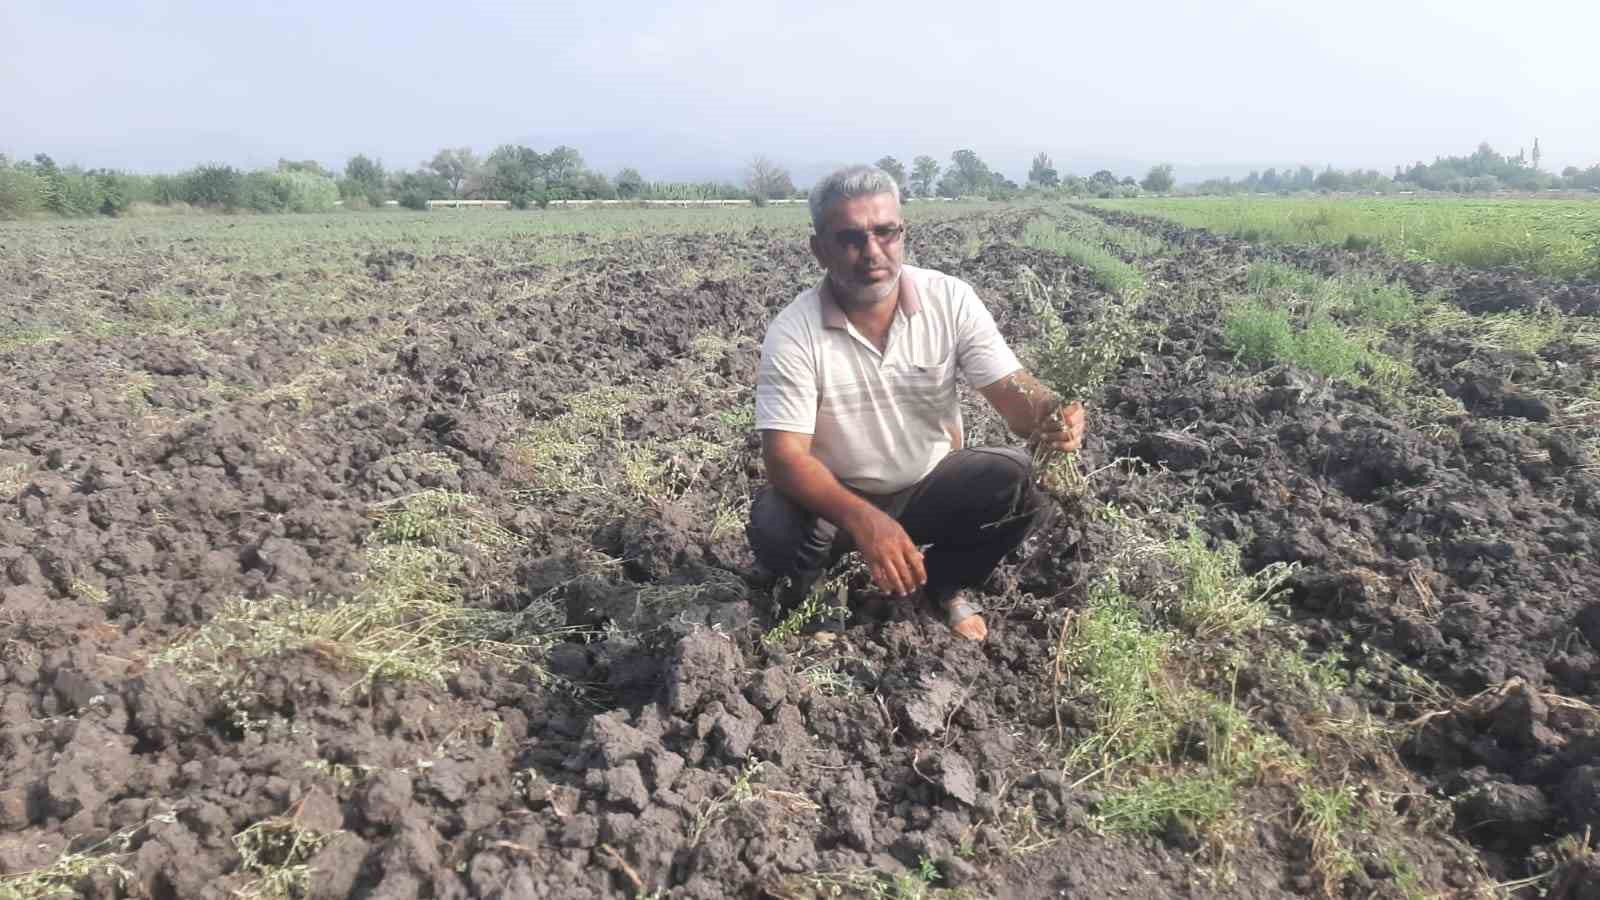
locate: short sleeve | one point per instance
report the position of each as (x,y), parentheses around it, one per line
(786,382)
(981,351)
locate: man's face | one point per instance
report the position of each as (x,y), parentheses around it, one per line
(862,245)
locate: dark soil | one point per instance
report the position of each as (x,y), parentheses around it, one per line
(665,745)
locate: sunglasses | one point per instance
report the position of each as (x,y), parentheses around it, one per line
(856,238)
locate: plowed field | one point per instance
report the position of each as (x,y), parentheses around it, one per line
(377,564)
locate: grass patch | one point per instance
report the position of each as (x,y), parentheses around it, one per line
(1264,334)
(554,455)
(297,393)
(25,336)
(1104,267)
(1550,237)
(1216,598)
(1117,662)
(408,621)
(437,517)
(1130,241)
(1359,296)
(1528,331)
(1259,333)
(1323,814)
(13,478)
(1148,806)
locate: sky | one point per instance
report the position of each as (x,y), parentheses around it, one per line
(694,90)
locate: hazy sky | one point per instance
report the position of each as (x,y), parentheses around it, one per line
(685,90)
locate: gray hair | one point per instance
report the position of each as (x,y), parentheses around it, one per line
(851,181)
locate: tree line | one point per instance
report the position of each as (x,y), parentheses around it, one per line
(527,177)
(1484,170)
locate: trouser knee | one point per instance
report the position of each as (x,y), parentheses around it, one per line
(788,539)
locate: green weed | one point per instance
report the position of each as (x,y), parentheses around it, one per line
(1216,598)
(1116,660)
(1108,271)
(1259,333)
(824,599)
(1324,815)
(62,877)
(13,477)
(1076,365)
(277,852)
(1147,806)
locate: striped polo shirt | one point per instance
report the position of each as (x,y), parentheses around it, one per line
(879,421)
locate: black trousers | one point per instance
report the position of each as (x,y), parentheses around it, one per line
(973,508)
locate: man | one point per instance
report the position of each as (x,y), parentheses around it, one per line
(860,424)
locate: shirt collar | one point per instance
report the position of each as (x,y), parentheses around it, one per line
(833,315)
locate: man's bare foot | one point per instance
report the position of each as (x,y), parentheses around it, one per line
(962,615)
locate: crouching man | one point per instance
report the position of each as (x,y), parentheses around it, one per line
(860,424)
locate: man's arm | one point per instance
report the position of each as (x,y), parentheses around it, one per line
(1033,411)
(894,562)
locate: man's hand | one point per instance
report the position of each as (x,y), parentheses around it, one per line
(1033,411)
(895,562)
(1063,429)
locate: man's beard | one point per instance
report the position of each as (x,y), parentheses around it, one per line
(868,294)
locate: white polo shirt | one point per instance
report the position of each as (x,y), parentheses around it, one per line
(879,421)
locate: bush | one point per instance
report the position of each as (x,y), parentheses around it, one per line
(21,192)
(1258,333)
(261,192)
(168,189)
(271,191)
(309,192)
(214,186)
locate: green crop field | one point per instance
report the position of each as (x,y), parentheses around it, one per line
(1556,237)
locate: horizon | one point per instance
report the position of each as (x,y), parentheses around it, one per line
(693,93)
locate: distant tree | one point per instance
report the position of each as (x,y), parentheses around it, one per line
(305,165)
(1103,184)
(1159,179)
(896,170)
(1332,179)
(1571,172)
(457,166)
(968,174)
(1043,173)
(54,192)
(766,180)
(562,168)
(924,172)
(515,173)
(413,190)
(213,185)
(630,184)
(594,186)
(21,189)
(363,178)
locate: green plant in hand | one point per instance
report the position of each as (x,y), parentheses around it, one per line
(1075,370)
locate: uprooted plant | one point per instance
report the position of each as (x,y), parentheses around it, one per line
(1074,368)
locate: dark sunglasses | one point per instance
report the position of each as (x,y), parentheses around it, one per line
(856,238)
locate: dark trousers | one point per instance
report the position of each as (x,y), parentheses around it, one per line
(973,508)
